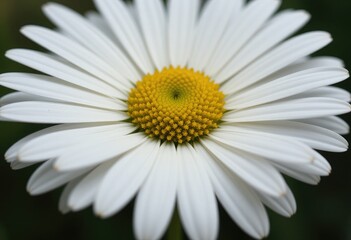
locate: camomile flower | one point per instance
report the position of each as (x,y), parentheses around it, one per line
(177,105)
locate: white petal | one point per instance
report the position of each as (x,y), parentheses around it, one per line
(78,55)
(182,20)
(101,148)
(196,200)
(303,177)
(276,30)
(242,29)
(49,87)
(212,24)
(126,30)
(284,205)
(12,152)
(132,10)
(156,199)
(100,23)
(314,136)
(290,109)
(270,146)
(84,193)
(15,97)
(91,37)
(57,67)
(324,61)
(287,86)
(281,56)
(332,123)
(17,165)
(125,178)
(327,92)
(53,142)
(46,178)
(252,169)
(237,198)
(319,166)
(307,63)
(63,202)
(49,112)
(153,22)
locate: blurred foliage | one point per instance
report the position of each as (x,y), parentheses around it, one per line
(324,212)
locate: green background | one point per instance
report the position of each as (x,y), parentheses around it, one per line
(324,211)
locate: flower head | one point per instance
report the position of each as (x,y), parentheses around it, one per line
(177,105)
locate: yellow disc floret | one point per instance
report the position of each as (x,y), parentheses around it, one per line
(176,104)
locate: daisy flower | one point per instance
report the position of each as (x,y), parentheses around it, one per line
(177,105)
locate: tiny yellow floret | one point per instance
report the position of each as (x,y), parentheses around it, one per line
(176,105)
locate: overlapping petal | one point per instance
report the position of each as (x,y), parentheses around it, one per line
(279,109)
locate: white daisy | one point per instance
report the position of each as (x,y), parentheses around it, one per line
(177,105)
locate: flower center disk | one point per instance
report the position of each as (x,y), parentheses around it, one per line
(176,104)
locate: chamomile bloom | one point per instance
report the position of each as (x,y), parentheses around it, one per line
(177,104)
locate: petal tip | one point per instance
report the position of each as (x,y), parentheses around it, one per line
(57,167)
(32,191)
(9,53)
(46,6)
(305,13)
(263,235)
(21,158)
(28,30)
(100,214)
(73,206)
(25,29)
(289,214)
(64,211)
(9,156)
(51,8)
(283,194)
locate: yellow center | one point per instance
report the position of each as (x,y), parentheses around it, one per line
(177,105)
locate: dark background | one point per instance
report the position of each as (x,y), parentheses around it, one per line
(324,211)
